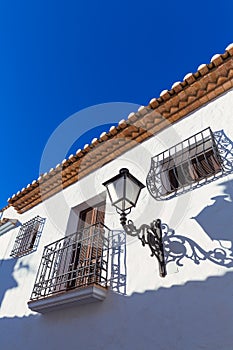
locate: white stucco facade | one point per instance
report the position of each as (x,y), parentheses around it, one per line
(188,309)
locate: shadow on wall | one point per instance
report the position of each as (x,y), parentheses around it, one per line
(216,221)
(178,247)
(118,269)
(197,315)
(7,280)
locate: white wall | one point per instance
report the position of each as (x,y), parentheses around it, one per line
(189,309)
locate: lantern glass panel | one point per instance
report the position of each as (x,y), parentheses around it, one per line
(116,192)
(132,192)
(123,190)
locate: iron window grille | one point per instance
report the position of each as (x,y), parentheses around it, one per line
(28,237)
(75,261)
(184,166)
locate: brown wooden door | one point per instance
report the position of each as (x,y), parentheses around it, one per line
(91,216)
(86,256)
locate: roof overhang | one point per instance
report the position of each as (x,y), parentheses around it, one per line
(210,81)
(7,224)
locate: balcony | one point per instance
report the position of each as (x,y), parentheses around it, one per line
(73,270)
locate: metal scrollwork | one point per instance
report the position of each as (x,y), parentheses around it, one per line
(225,147)
(151,235)
(178,247)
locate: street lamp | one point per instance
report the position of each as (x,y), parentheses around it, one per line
(124,190)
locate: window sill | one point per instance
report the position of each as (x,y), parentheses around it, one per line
(67,299)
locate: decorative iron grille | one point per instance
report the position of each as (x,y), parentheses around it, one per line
(75,261)
(184,166)
(28,237)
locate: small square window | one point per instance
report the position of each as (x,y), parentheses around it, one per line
(28,237)
(183,166)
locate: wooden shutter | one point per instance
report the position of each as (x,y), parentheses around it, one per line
(85,260)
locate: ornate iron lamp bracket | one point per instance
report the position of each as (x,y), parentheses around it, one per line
(148,234)
(124,190)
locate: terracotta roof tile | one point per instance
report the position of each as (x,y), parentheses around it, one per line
(197,89)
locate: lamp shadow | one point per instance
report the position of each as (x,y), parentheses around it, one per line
(216,220)
(178,247)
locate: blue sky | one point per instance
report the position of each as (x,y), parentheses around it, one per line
(58,57)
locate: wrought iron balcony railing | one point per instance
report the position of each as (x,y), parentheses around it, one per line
(75,261)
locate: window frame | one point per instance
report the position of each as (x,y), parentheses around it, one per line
(184,166)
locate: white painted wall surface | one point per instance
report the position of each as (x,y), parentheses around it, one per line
(189,309)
